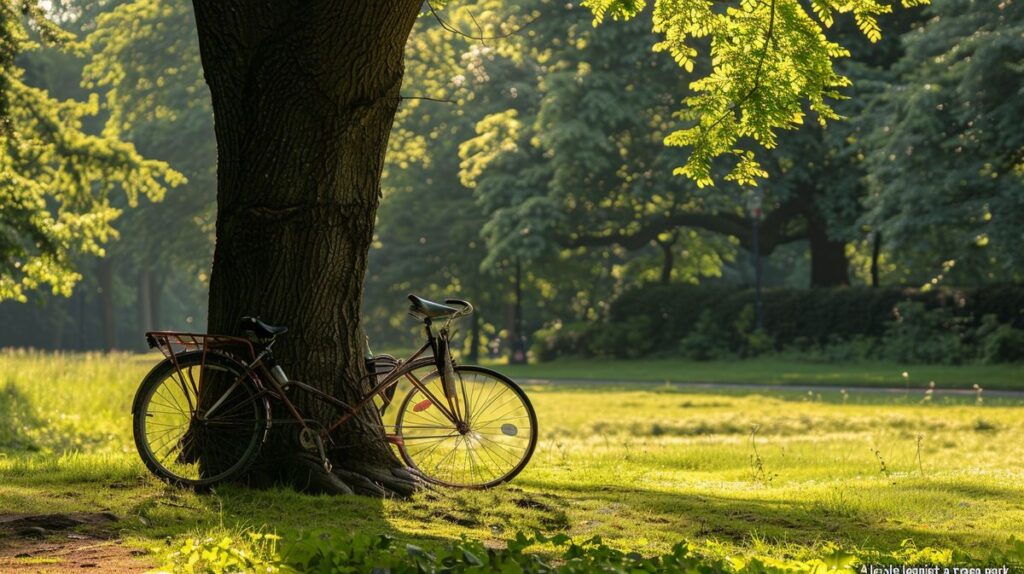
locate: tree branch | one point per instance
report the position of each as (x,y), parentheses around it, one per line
(773,230)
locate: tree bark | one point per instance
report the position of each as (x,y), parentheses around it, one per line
(304,94)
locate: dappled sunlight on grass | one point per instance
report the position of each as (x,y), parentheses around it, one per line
(642,466)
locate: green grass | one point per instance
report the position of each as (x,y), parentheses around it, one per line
(644,466)
(777,371)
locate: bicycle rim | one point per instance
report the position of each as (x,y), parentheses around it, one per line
(180,444)
(496,446)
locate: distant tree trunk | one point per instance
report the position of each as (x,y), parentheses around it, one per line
(668,259)
(156,299)
(517,348)
(66,313)
(473,356)
(105,278)
(145,301)
(829,264)
(876,252)
(304,95)
(80,315)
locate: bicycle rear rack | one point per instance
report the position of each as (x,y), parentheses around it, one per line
(173,343)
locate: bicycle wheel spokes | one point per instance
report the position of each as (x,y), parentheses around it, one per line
(497,438)
(186,446)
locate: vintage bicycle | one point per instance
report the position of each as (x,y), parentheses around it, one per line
(201,416)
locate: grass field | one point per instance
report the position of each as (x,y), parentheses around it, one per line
(738,472)
(778,371)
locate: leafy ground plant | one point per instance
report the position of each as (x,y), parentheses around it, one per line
(535,553)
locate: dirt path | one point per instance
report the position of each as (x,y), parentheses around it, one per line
(78,542)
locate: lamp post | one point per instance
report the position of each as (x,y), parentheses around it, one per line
(754,200)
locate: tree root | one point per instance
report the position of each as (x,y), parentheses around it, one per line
(309,475)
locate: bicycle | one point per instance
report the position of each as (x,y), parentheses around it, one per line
(201,416)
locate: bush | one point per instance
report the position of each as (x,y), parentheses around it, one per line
(561,340)
(920,335)
(708,339)
(944,325)
(1005,344)
(629,339)
(753,340)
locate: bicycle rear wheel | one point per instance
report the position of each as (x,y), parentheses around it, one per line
(181,432)
(494,445)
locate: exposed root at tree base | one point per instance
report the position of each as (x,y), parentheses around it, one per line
(307,474)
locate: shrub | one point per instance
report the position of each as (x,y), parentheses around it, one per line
(561,340)
(708,339)
(753,340)
(920,335)
(949,325)
(628,339)
(1005,344)
(946,325)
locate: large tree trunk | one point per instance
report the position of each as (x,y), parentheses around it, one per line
(304,94)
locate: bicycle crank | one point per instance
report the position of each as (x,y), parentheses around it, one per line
(309,439)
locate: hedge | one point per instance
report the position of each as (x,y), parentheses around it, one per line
(654,318)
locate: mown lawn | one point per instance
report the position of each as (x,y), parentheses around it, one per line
(778,371)
(785,475)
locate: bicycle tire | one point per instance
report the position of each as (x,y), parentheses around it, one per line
(235,439)
(509,445)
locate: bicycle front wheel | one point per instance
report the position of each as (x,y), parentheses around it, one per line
(198,420)
(494,443)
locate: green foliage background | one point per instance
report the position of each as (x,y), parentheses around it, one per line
(547,151)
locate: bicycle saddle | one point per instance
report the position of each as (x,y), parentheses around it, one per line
(259,328)
(424,309)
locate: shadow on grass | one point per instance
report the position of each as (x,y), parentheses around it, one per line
(746,519)
(17,416)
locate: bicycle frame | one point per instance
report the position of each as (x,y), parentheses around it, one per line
(258,369)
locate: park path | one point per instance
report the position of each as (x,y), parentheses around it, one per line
(823,389)
(75,542)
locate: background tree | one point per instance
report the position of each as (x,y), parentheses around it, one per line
(304,97)
(145,59)
(56,180)
(945,153)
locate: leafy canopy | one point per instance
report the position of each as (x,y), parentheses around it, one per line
(56,179)
(770,61)
(945,155)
